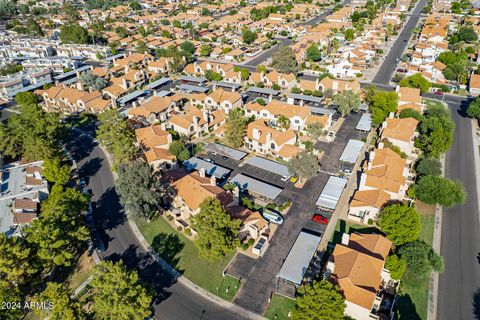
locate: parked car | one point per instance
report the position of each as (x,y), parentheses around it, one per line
(330,136)
(99,245)
(319,219)
(209,160)
(272,216)
(438,93)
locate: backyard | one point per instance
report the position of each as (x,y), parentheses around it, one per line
(182,254)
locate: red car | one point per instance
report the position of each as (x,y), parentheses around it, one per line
(320,219)
(438,93)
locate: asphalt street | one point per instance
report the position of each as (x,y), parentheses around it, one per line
(385,73)
(459,285)
(173,300)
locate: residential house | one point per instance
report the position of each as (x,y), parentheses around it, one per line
(154,142)
(357,266)
(401,133)
(474,84)
(409,98)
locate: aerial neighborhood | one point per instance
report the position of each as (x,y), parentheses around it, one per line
(254,159)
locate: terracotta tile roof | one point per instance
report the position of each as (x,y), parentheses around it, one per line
(154,105)
(194,189)
(153,136)
(358,273)
(221,95)
(25,204)
(369,198)
(279,137)
(371,244)
(155,154)
(289,150)
(475,81)
(400,129)
(409,95)
(278,108)
(386,171)
(24,217)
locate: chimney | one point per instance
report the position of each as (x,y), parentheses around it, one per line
(206,116)
(213,181)
(201,172)
(345,239)
(236,196)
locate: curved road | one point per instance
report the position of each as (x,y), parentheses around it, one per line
(173,300)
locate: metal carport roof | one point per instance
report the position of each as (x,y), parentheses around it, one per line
(351,151)
(225,151)
(211,169)
(331,193)
(269,165)
(365,122)
(256,186)
(263,91)
(299,257)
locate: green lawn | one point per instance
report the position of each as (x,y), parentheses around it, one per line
(182,254)
(343,226)
(279,306)
(431,102)
(412,303)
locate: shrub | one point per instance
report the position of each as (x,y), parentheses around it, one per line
(251,241)
(169,218)
(188,231)
(179,228)
(245,246)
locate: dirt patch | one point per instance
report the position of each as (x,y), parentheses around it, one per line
(424,208)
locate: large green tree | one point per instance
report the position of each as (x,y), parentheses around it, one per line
(346,102)
(118,294)
(473,109)
(92,81)
(10,293)
(421,259)
(416,81)
(436,132)
(217,232)
(25,98)
(313,53)
(139,190)
(396,266)
(315,130)
(7,8)
(17,260)
(429,166)
(304,165)
(55,172)
(60,228)
(235,128)
(400,222)
(437,190)
(64,307)
(283,60)
(382,103)
(117,135)
(73,33)
(32,134)
(320,300)
(249,36)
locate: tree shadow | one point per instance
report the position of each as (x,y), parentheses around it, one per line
(168,246)
(476,304)
(151,273)
(405,308)
(462,109)
(108,212)
(91,167)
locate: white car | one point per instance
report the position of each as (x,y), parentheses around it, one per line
(330,136)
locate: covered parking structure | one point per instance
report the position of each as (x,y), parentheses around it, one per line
(228,85)
(211,169)
(269,165)
(365,122)
(296,264)
(351,151)
(331,193)
(158,83)
(132,97)
(198,80)
(263,91)
(187,88)
(302,99)
(225,151)
(256,188)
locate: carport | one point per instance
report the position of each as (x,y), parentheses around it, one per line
(351,151)
(294,98)
(198,80)
(225,151)
(192,88)
(256,188)
(123,101)
(158,83)
(365,122)
(296,264)
(331,193)
(228,85)
(321,111)
(264,91)
(211,169)
(269,165)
